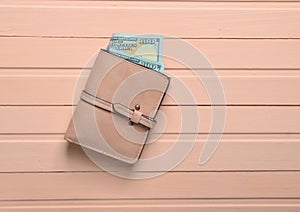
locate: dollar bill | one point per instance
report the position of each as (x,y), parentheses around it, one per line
(145,50)
(143,62)
(143,46)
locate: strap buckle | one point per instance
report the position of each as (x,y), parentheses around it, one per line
(135,116)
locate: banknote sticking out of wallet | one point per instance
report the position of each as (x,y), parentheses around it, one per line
(123,93)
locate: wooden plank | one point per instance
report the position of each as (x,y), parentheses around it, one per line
(43,186)
(205,19)
(57,87)
(95,3)
(239,119)
(233,205)
(76,53)
(37,153)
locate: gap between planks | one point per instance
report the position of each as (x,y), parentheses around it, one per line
(148,205)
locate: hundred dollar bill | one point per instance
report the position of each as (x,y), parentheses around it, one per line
(143,62)
(143,46)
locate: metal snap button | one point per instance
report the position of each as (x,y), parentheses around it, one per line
(137,107)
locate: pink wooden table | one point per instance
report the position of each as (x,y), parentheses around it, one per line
(254,47)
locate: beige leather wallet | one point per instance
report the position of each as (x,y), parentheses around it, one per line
(117,108)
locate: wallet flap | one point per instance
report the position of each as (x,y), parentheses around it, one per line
(116,80)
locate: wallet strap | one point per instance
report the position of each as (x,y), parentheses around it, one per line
(134,116)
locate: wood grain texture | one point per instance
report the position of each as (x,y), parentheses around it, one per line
(241,87)
(101,185)
(221,53)
(254,47)
(193,19)
(50,153)
(239,119)
(232,205)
